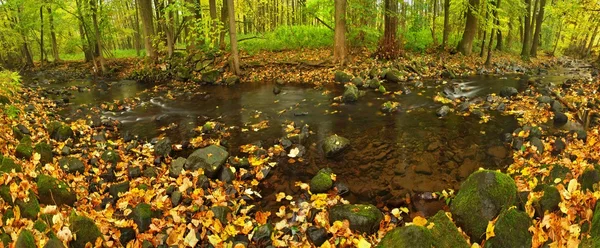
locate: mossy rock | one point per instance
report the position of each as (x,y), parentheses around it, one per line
(8,214)
(374,83)
(342,77)
(5,239)
(110,156)
(5,194)
(321,182)
(24,149)
(262,233)
(40,225)
(363,218)
(71,165)
(558,171)
(9,165)
(445,233)
(211,77)
(60,131)
(54,192)
(394,76)
(118,188)
(54,243)
(595,230)
(588,179)
(84,230)
(29,208)
(350,93)
(334,145)
(221,213)
(511,230)
(45,152)
(407,236)
(142,216)
(211,159)
(25,239)
(549,201)
(480,199)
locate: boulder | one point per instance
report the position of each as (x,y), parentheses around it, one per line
(60,131)
(394,76)
(537,143)
(29,207)
(127,234)
(321,182)
(342,77)
(232,80)
(373,83)
(557,107)
(118,188)
(84,231)
(350,93)
(45,152)
(549,201)
(334,145)
(480,199)
(445,233)
(363,218)
(448,74)
(210,159)
(54,192)
(7,165)
(110,156)
(358,81)
(25,239)
(317,235)
(211,77)
(24,149)
(511,230)
(71,165)
(163,147)
(142,216)
(176,167)
(588,179)
(407,236)
(508,92)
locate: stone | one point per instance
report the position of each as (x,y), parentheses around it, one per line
(588,179)
(480,199)
(545,99)
(134,172)
(233,80)
(5,238)
(389,107)
(262,233)
(176,167)
(211,77)
(226,175)
(221,213)
(60,131)
(54,243)
(560,119)
(557,107)
(150,172)
(163,147)
(358,81)
(321,182)
(7,165)
(45,152)
(595,229)
(335,145)
(142,216)
(71,165)
(407,236)
(24,150)
(537,143)
(342,77)
(118,188)
(276,90)
(549,201)
(350,93)
(508,92)
(394,76)
(85,231)
(110,156)
(442,111)
(363,218)
(317,235)
(30,207)
(511,230)
(373,83)
(445,233)
(176,198)
(498,152)
(210,159)
(25,239)
(448,74)
(54,192)
(127,234)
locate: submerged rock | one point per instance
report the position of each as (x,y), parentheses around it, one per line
(334,145)
(480,199)
(342,77)
(407,236)
(508,92)
(442,111)
(362,218)
(350,93)
(210,159)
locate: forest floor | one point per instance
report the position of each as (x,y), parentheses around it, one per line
(79,181)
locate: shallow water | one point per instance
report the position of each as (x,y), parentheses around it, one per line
(408,154)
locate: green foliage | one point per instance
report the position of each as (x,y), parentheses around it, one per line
(10,83)
(288,37)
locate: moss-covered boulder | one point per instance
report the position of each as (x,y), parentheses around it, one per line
(29,207)
(480,199)
(595,229)
(7,165)
(54,243)
(110,156)
(445,233)
(363,218)
(5,194)
(407,236)
(321,182)
(350,93)
(589,179)
(25,239)
(334,145)
(54,192)
(142,216)
(24,149)
(118,188)
(5,239)
(511,230)
(163,147)
(45,151)
(84,231)
(395,76)
(342,77)
(210,159)
(59,131)
(549,201)
(211,77)
(71,165)
(40,226)
(373,83)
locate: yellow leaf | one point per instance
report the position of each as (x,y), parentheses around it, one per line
(419,221)
(326,245)
(362,243)
(489,231)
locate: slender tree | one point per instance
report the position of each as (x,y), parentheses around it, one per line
(446,23)
(147,22)
(526,30)
(339,48)
(55,52)
(42,35)
(435,9)
(538,29)
(98,36)
(212,5)
(488,60)
(233,38)
(465,46)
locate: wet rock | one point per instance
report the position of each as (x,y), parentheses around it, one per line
(538,144)
(54,243)
(71,165)
(350,93)
(498,152)
(118,188)
(589,179)
(395,76)
(335,145)
(317,235)
(262,234)
(480,199)
(442,111)
(511,229)
(243,162)
(110,156)
(127,234)
(210,159)
(54,192)
(101,137)
(549,201)
(176,198)
(142,216)
(134,172)
(25,239)
(163,147)
(508,92)
(559,146)
(445,233)
(342,77)
(341,188)
(362,218)
(448,74)
(24,149)
(389,107)
(408,236)
(226,175)
(150,172)
(45,152)
(545,99)
(501,107)
(211,77)
(557,107)
(373,83)
(176,167)
(221,213)
(60,131)
(276,90)
(232,80)
(321,182)
(358,81)
(84,230)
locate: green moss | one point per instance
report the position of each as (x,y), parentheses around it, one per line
(25,239)
(111,156)
(5,194)
(407,236)
(362,218)
(85,231)
(45,152)
(595,230)
(550,199)
(444,232)
(481,197)
(24,149)
(5,238)
(8,165)
(29,207)
(321,182)
(8,214)
(142,216)
(54,192)
(511,229)
(40,225)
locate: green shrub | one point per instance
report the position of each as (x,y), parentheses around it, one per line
(10,83)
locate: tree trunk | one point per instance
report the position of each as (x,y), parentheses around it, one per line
(55,52)
(389,47)
(435,9)
(136,27)
(147,23)
(42,35)
(487,14)
(560,27)
(339,48)
(233,38)
(465,46)
(488,60)
(538,29)
(446,23)
(499,32)
(591,45)
(224,12)
(169,28)
(27,54)
(94,6)
(212,5)
(526,30)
